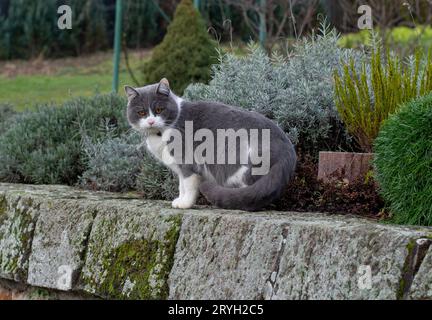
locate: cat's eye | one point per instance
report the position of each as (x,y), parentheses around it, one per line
(142,113)
(158,110)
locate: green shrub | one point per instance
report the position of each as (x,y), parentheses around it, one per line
(112,163)
(365,99)
(44,146)
(296,92)
(122,163)
(6,113)
(186,52)
(155,180)
(403,162)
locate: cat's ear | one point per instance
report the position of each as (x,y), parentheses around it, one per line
(163,87)
(130,92)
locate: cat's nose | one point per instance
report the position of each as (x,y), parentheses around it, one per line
(150,121)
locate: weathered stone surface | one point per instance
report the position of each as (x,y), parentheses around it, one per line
(18,214)
(422,284)
(226,255)
(328,259)
(60,208)
(130,250)
(59,243)
(303,256)
(119,246)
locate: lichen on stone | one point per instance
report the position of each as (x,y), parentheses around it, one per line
(133,263)
(16,232)
(137,268)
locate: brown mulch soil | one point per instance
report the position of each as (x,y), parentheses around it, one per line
(308,194)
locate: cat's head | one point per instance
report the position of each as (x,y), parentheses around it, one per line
(153,107)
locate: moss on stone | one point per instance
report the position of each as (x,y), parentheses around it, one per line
(139,269)
(128,269)
(3,208)
(406,269)
(171,238)
(19,225)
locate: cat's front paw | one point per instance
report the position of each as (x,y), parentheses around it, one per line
(179,203)
(175,202)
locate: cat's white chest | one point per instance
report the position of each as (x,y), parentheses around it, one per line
(159,148)
(155,145)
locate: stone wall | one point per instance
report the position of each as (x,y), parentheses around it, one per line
(93,244)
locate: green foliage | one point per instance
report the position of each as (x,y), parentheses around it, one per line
(155,180)
(186,53)
(144,24)
(355,40)
(44,146)
(365,99)
(6,113)
(401,39)
(29,28)
(403,162)
(112,162)
(122,163)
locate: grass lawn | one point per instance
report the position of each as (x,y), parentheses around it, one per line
(26,83)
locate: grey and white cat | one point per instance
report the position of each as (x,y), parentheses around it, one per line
(154,109)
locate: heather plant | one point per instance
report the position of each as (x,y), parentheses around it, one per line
(44,146)
(403,162)
(112,163)
(296,92)
(365,99)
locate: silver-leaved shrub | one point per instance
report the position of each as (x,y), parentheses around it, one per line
(112,163)
(122,163)
(296,91)
(155,181)
(43,145)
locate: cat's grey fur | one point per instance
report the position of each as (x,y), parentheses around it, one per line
(219,183)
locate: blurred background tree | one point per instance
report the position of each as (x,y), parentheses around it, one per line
(28,28)
(386,13)
(187,46)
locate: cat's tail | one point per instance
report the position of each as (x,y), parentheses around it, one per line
(256,196)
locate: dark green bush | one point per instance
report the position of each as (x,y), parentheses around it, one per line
(186,52)
(44,146)
(403,162)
